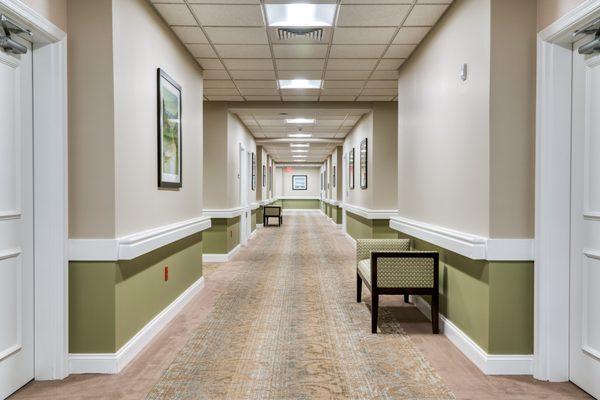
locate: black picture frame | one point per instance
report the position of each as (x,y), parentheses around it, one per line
(253,171)
(300,178)
(166,179)
(333,176)
(364,158)
(264,176)
(351,168)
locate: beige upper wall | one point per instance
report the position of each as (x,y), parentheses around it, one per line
(238,134)
(54,11)
(313,178)
(443,123)
(363,129)
(215,150)
(384,176)
(549,11)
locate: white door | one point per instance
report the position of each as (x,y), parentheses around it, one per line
(16,222)
(585,224)
(243,194)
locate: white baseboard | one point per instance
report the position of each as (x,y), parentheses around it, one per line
(113,363)
(215,258)
(259,225)
(294,210)
(489,364)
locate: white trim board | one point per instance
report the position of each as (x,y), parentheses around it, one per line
(489,364)
(299,198)
(472,246)
(369,213)
(223,212)
(218,258)
(132,246)
(113,363)
(295,210)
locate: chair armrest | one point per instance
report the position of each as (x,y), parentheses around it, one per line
(405,269)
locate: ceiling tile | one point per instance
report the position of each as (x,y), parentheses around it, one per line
(201,50)
(351,64)
(372,15)
(357,51)
(252,75)
(243,51)
(345,75)
(231,35)
(225,98)
(375,98)
(382,84)
(380,92)
(261,64)
(385,75)
(218,83)
(215,74)
(411,34)
(337,98)
(257,84)
(425,14)
(210,63)
(190,34)
(259,92)
(300,74)
(176,14)
(399,51)
(363,35)
(228,15)
(390,64)
(343,84)
(262,98)
(341,91)
(299,92)
(220,92)
(299,50)
(288,64)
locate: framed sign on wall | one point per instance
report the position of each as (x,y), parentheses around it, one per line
(299,182)
(253,171)
(363,163)
(334,176)
(169,131)
(351,169)
(264,176)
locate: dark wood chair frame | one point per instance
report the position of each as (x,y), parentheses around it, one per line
(266,217)
(376,291)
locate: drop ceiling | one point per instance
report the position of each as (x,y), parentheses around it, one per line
(357,59)
(269,127)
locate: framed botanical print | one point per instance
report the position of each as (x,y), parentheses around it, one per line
(169,131)
(264,176)
(351,169)
(253,171)
(363,163)
(299,182)
(334,176)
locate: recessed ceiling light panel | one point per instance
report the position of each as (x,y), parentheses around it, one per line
(300,14)
(299,151)
(299,135)
(300,121)
(300,84)
(299,145)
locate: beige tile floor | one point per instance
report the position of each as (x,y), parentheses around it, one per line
(461,376)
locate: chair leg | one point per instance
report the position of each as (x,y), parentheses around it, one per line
(406,299)
(374,311)
(435,317)
(358,288)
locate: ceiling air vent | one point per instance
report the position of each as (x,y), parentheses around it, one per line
(309,34)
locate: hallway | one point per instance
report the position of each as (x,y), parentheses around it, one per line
(280,322)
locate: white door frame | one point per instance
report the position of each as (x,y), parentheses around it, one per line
(553,193)
(243,174)
(50,190)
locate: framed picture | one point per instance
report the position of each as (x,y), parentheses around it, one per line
(334,176)
(321,180)
(299,182)
(270,178)
(253,171)
(169,131)
(351,168)
(363,164)
(264,176)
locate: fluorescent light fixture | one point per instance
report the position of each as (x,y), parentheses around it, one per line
(299,145)
(299,151)
(300,14)
(298,160)
(299,156)
(299,135)
(300,84)
(300,121)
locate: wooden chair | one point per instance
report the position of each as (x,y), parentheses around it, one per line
(387,266)
(272,212)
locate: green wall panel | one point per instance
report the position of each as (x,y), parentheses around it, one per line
(299,204)
(359,227)
(233,233)
(253,220)
(223,235)
(109,302)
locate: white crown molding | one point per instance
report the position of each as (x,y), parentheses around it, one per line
(331,202)
(41,27)
(369,213)
(113,363)
(489,364)
(254,206)
(223,212)
(132,246)
(219,258)
(472,246)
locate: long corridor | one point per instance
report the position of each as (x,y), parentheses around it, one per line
(280,321)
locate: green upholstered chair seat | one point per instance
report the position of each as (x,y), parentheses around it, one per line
(364,266)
